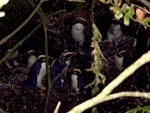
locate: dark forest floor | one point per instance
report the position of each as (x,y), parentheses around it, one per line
(14,98)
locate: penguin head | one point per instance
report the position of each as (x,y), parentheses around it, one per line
(41,56)
(119,60)
(66,56)
(115,27)
(79,26)
(30,52)
(77,32)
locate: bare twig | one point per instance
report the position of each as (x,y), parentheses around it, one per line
(19,43)
(41,14)
(57,107)
(109,88)
(2,111)
(144,9)
(22,25)
(127,94)
(26,37)
(146,3)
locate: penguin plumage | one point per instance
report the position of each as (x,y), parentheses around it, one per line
(12,59)
(31,58)
(36,74)
(77,33)
(58,66)
(114,33)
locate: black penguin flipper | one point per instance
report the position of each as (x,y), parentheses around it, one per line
(27,83)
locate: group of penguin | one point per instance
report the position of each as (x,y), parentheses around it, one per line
(35,64)
(66,60)
(37,71)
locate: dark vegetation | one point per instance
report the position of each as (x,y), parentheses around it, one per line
(14,98)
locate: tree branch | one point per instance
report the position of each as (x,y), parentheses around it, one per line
(22,25)
(102,96)
(19,43)
(146,3)
(127,94)
(2,111)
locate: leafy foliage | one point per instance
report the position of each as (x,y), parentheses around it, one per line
(127,12)
(146,21)
(16,10)
(144,109)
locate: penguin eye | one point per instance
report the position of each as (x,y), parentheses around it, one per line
(68,57)
(120,55)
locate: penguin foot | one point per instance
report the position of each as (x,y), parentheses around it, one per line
(42,87)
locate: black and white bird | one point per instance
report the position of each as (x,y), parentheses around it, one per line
(79,77)
(75,79)
(31,58)
(12,59)
(114,33)
(36,74)
(122,59)
(59,65)
(77,32)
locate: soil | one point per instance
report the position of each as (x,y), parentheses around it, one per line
(14,98)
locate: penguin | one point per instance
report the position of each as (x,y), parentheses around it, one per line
(122,60)
(58,66)
(31,58)
(77,32)
(79,77)
(12,59)
(74,79)
(114,33)
(36,74)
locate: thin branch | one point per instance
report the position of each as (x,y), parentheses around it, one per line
(2,111)
(22,25)
(25,38)
(18,44)
(57,107)
(124,94)
(41,13)
(141,8)
(62,73)
(127,94)
(138,6)
(109,88)
(146,3)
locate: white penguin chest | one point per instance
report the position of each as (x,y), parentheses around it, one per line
(77,32)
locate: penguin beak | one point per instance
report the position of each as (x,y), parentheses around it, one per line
(74,53)
(69,55)
(51,58)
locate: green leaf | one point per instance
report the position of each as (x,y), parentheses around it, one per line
(103,1)
(146,21)
(118,15)
(144,109)
(110,1)
(117,11)
(126,20)
(95,90)
(113,8)
(131,11)
(125,7)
